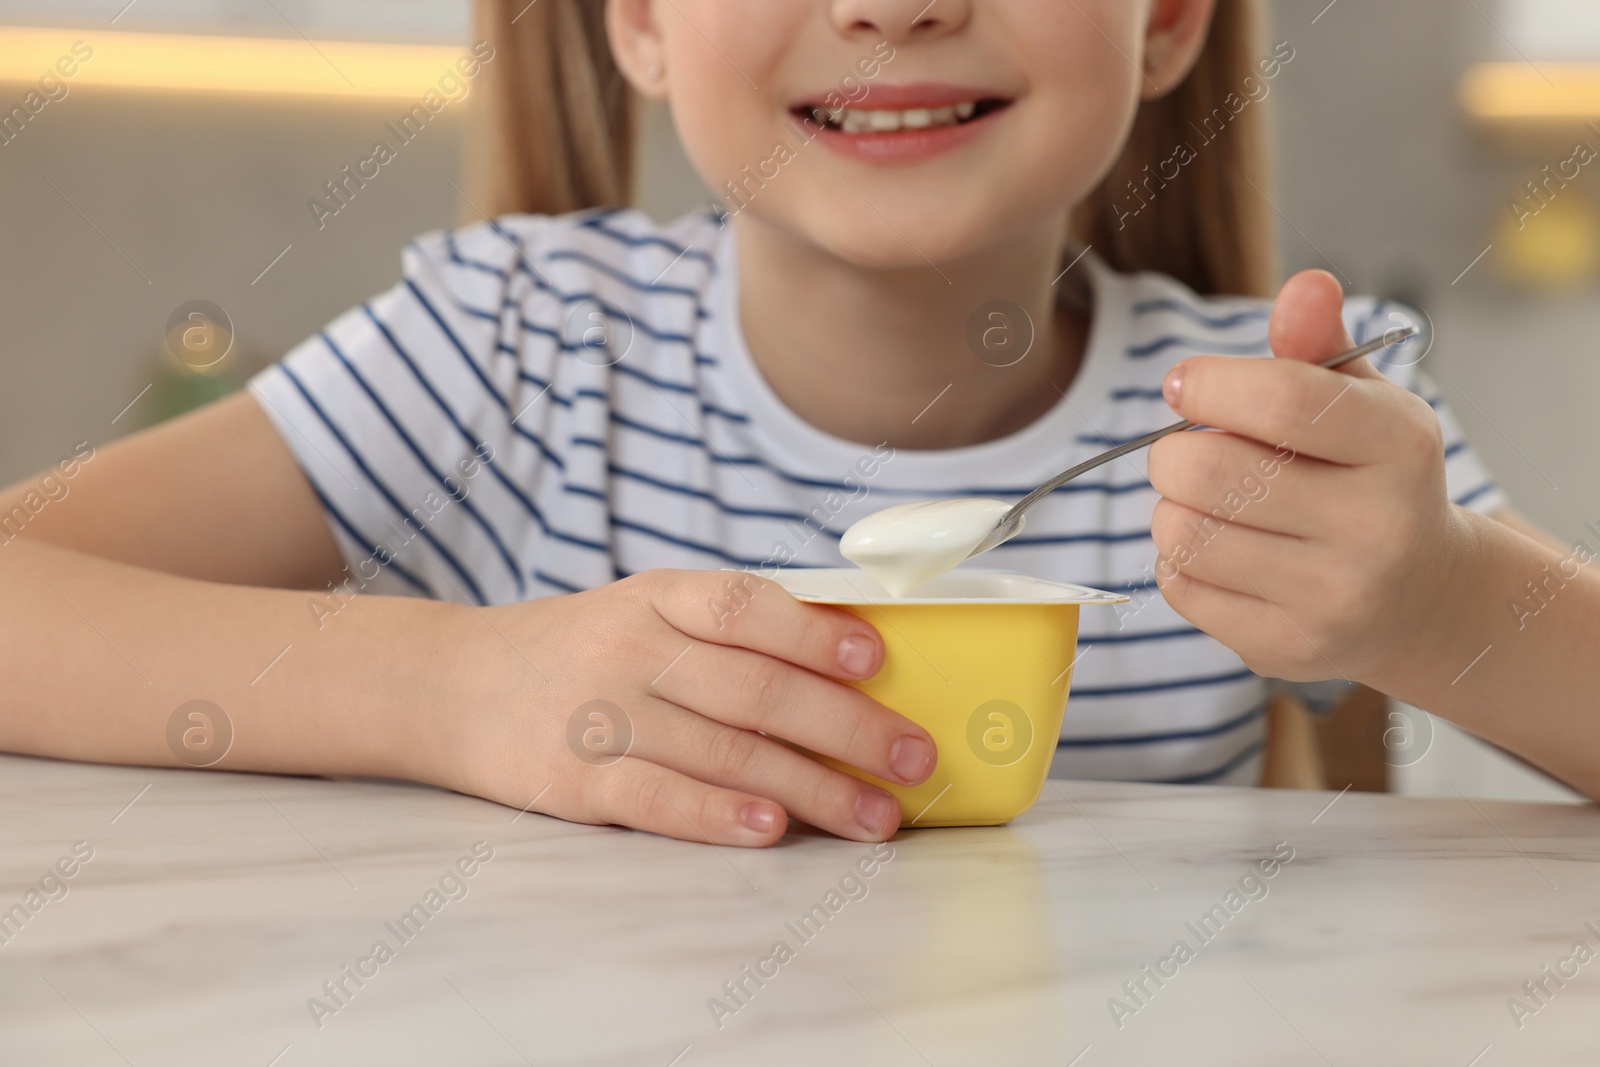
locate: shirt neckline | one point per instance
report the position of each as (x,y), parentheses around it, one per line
(1043,447)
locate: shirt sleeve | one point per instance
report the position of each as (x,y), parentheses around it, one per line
(401,413)
(1466,479)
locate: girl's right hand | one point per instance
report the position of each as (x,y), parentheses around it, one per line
(644,704)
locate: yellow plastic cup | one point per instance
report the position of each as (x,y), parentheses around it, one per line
(981,659)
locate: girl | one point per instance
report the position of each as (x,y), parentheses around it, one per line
(962,246)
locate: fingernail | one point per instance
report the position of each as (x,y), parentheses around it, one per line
(856,654)
(910,759)
(874,810)
(1171,385)
(758,817)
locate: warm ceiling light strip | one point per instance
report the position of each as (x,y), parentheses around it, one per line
(1516,93)
(246,65)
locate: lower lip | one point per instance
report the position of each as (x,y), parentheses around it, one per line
(907,146)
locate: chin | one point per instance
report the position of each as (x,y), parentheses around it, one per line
(881,248)
(915,236)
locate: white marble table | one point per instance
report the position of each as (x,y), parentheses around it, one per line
(215,907)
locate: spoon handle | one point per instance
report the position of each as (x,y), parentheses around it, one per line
(1391,337)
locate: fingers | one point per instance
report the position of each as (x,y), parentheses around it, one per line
(1317,412)
(1270,644)
(757,692)
(756,661)
(1307,323)
(1227,555)
(1345,416)
(739,608)
(744,760)
(647,796)
(1240,480)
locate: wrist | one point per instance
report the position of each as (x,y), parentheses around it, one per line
(1455,611)
(477,668)
(419,688)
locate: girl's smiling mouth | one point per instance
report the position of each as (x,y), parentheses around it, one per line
(904,123)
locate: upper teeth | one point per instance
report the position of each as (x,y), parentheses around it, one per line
(856,120)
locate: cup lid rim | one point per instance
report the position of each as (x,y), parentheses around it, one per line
(1032,590)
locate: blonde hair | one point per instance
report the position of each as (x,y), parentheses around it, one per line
(556,134)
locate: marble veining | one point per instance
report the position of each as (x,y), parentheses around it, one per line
(236,919)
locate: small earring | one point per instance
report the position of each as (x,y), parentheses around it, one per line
(655,72)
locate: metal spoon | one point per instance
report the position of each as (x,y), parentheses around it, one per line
(1010,523)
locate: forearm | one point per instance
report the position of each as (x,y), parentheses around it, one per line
(96,656)
(1512,662)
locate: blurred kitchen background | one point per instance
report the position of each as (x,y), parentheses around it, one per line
(1405,132)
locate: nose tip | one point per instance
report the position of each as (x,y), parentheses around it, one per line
(900,20)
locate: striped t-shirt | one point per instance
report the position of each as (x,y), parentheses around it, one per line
(545,405)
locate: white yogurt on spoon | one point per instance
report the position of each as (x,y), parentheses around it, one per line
(909,544)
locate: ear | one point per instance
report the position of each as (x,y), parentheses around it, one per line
(637,45)
(1173,39)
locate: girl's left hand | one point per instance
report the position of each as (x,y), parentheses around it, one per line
(1314,536)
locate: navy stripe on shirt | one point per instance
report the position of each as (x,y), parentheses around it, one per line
(524,268)
(558,584)
(1134,638)
(1161,344)
(1196,734)
(422,458)
(1158,687)
(400,509)
(1144,585)
(1250,752)
(1081,539)
(550,455)
(627,279)
(1146,307)
(369,545)
(618,366)
(612,311)
(711,498)
(598,226)
(694,546)
(715,455)
(482,448)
